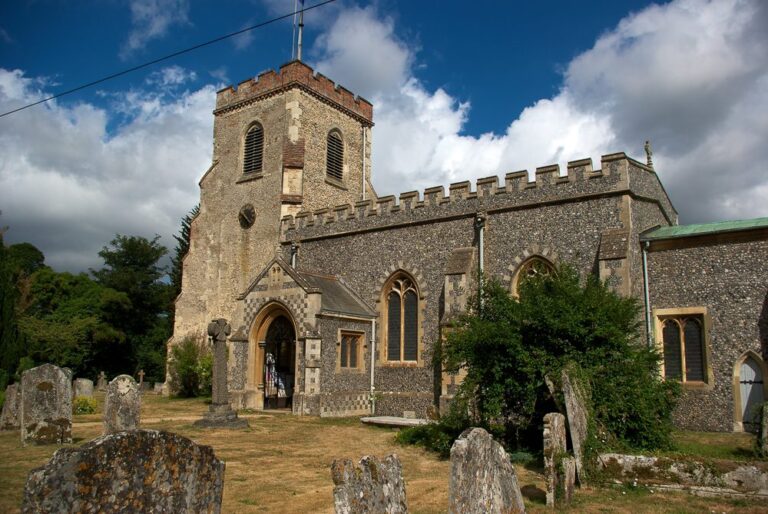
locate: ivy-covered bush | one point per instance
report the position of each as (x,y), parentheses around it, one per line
(508,346)
(191,368)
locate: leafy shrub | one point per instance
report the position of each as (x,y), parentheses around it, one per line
(510,345)
(190,368)
(84,405)
(2,398)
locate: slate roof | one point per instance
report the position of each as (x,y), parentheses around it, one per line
(337,297)
(701,229)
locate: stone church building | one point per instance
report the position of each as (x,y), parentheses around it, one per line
(337,296)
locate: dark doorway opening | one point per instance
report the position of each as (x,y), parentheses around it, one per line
(279,364)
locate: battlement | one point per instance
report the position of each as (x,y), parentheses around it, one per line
(489,193)
(294,74)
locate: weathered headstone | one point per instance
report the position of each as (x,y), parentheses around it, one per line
(576,409)
(567,479)
(136,471)
(220,413)
(101,382)
(554,451)
(46,405)
(483,479)
(141,377)
(9,420)
(372,486)
(122,405)
(82,387)
(158,388)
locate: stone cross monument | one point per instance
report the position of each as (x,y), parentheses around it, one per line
(220,413)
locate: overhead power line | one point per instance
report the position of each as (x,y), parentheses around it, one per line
(169,56)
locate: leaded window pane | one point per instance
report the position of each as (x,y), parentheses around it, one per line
(353,351)
(344,351)
(393,327)
(410,327)
(672,356)
(694,350)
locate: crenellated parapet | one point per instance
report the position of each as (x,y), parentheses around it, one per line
(489,194)
(290,75)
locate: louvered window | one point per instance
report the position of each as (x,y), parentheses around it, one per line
(683,338)
(254,149)
(402,321)
(350,348)
(335,157)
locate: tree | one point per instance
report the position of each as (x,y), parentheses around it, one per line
(132,267)
(177,261)
(510,345)
(68,320)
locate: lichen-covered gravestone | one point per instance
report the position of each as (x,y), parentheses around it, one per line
(46,405)
(101,383)
(576,409)
(554,451)
(122,405)
(136,471)
(483,480)
(82,388)
(9,420)
(372,486)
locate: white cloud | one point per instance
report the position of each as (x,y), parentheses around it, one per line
(171,76)
(67,185)
(690,75)
(151,19)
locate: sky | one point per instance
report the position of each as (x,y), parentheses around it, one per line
(461,90)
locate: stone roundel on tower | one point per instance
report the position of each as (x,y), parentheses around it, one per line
(247,216)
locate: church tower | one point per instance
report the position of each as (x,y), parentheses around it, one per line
(285,142)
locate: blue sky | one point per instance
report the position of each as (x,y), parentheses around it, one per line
(461,90)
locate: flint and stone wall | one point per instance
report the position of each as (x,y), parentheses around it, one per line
(562,218)
(728,276)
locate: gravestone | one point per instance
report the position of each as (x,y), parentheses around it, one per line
(122,405)
(567,479)
(576,410)
(46,405)
(158,388)
(9,420)
(220,413)
(483,479)
(82,387)
(554,454)
(372,486)
(101,382)
(136,471)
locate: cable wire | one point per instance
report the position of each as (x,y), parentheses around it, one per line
(165,58)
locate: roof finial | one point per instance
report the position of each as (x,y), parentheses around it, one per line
(648,154)
(301,31)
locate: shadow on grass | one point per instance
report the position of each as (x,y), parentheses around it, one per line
(534,494)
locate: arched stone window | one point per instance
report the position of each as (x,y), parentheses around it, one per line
(681,337)
(535,266)
(335,156)
(253,149)
(401,323)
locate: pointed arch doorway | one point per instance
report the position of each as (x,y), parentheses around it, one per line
(749,388)
(273,367)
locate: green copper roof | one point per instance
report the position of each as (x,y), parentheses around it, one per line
(704,228)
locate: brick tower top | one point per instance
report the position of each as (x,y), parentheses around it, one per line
(294,74)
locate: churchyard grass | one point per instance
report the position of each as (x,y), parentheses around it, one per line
(282,464)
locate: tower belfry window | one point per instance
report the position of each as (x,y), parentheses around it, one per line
(253,154)
(335,157)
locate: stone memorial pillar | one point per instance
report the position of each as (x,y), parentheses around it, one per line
(220,413)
